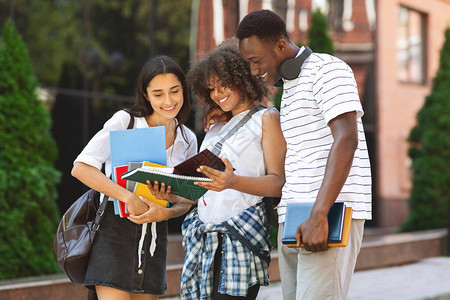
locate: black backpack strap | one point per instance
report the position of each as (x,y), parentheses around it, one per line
(131,123)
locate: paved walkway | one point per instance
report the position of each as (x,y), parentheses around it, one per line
(426,279)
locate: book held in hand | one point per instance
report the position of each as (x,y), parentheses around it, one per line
(142,190)
(118,171)
(339,221)
(135,145)
(182,185)
(181,177)
(204,158)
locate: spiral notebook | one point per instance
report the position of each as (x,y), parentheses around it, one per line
(182,185)
(141,189)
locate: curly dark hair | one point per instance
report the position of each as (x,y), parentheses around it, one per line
(265,24)
(227,65)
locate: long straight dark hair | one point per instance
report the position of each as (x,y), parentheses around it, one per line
(156,66)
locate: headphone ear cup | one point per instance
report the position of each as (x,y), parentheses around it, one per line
(288,69)
(281,68)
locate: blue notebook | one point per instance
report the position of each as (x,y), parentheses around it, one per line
(137,145)
(297,213)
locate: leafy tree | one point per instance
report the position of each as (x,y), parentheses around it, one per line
(119,38)
(28,212)
(172,30)
(45,26)
(430,153)
(318,38)
(141,29)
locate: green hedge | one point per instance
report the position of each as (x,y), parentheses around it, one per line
(430,153)
(28,211)
(319,39)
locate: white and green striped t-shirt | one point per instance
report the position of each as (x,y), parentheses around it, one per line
(325,89)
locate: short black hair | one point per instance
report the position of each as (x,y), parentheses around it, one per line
(265,24)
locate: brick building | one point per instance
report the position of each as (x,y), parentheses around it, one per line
(409,38)
(393,48)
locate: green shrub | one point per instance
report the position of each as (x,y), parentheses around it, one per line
(430,153)
(318,38)
(28,211)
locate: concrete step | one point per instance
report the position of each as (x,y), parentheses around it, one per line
(378,251)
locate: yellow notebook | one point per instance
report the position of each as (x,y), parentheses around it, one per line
(345,231)
(142,189)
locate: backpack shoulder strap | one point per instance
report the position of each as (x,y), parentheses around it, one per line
(218,146)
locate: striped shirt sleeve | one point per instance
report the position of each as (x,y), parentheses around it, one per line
(335,90)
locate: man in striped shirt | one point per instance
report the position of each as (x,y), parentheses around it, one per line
(326,160)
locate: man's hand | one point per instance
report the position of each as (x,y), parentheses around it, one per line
(214,115)
(313,233)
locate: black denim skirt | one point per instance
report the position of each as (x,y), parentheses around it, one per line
(114,259)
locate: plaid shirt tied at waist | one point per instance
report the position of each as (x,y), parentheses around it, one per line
(245,254)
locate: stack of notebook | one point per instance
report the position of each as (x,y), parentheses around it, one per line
(182,177)
(339,221)
(135,145)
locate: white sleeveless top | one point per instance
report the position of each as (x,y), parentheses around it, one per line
(244,150)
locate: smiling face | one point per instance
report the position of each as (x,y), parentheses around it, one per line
(165,94)
(228,99)
(263,58)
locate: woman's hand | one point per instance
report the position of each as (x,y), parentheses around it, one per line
(136,206)
(221,180)
(160,192)
(154,213)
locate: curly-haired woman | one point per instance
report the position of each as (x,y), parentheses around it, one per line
(227,238)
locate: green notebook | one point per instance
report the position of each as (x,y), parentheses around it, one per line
(182,185)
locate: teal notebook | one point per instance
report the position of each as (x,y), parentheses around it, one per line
(297,213)
(182,185)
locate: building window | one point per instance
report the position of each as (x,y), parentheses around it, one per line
(339,12)
(335,15)
(411,46)
(280,7)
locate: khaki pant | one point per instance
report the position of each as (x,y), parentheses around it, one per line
(321,275)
